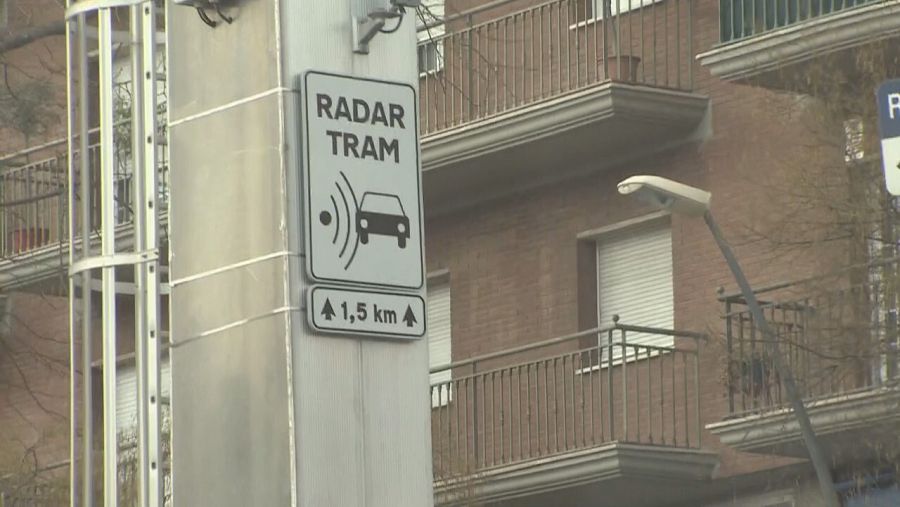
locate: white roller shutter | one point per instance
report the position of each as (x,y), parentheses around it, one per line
(126,393)
(634,278)
(439,338)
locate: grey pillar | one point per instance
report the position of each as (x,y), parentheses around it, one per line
(264,411)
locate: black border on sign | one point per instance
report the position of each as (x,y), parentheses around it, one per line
(310,312)
(305,172)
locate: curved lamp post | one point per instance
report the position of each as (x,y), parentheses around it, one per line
(680,198)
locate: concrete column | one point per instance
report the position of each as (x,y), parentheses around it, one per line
(265,412)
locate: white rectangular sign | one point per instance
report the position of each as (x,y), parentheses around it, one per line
(889,126)
(890,157)
(366,312)
(362,206)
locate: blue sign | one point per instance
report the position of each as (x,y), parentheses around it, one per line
(889,127)
(889,109)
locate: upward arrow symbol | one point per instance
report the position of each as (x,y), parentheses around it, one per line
(409,317)
(327,310)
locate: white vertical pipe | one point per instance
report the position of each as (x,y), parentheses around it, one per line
(146,202)
(138,218)
(70,198)
(87,408)
(108,249)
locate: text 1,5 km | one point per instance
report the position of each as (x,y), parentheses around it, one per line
(358,311)
(362,311)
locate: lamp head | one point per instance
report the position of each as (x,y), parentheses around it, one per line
(666,194)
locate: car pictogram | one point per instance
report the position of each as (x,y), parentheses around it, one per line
(382,214)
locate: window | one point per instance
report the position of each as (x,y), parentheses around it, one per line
(853,140)
(439,340)
(430,57)
(430,40)
(123,197)
(126,394)
(634,280)
(587,10)
(126,419)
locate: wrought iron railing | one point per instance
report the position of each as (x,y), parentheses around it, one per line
(493,60)
(32,206)
(33,199)
(566,394)
(742,19)
(837,335)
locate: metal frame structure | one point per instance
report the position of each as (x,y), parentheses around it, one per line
(89,254)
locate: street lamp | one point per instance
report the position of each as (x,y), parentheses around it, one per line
(680,198)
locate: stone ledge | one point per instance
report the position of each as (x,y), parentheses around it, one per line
(837,421)
(804,40)
(599,126)
(601,466)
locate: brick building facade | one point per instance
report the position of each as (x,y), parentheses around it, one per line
(530,118)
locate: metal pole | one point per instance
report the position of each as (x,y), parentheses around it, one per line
(816,455)
(697,410)
(73,351)
(148,352)
(139,218)
(108,250)
(87,409)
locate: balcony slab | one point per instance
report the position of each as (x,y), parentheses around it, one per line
(775,59)
(587,130)
(851,426)
(610,475)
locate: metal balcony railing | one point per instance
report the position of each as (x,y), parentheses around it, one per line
(742,19)
(501,56)
(33,199)
(839,336)
(563,395)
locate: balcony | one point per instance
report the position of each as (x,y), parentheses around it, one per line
(568,417)
(512,94)
(839,338)
(34,216)
(775,43)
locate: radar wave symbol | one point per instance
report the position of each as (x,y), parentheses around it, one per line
(344,207)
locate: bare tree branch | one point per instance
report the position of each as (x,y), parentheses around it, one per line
(26,385)
(24,38)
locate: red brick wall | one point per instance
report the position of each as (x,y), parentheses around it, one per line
(513,261)
(43,61)
(34,378)
(34,373)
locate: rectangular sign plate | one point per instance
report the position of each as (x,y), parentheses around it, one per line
(889,127)
(366,312)
(362,193)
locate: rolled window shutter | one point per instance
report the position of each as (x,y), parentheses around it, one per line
(439,339)
(634,274)
(126,393)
